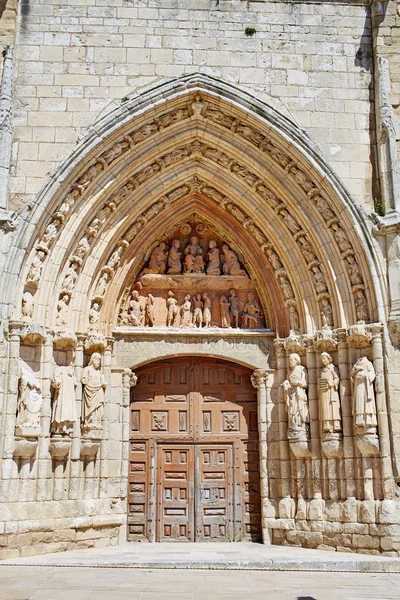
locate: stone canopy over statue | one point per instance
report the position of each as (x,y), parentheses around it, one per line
(193,279)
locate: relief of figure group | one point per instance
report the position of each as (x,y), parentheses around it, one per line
(191,259)
(199,310)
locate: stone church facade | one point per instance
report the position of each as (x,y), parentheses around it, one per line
(200,302)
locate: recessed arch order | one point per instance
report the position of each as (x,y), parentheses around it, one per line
(196,145)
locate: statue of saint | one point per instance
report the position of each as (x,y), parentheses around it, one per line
(135,310)
(35,271)
(174,259)
(361,306)
(329,403)
(64,408)
(149,316)
(326,313)
(225,315)
(251,313)
(186,312)
(198,311)
(62,310)
(172,310)
(27,306)
(213,265)
(294,319)
(94,315)
(30,400)
(158,260)
(230,262)
(234,308)
(93,393)
(295,388)
(194,262)
(207,310)
(364,407)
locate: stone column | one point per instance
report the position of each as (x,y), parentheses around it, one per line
(259,381)
(383,425)
(283,443)
(12,395)
(129,380)
(107,360)
(45,462)
(74,482)
(312,390)
(349,487)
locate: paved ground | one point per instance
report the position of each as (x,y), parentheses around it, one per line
(214,556)
(74,583)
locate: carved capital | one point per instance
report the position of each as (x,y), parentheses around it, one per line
(259,378)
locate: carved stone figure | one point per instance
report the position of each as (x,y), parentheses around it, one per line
(158,260)
(274,259)
(123,318)
(93,393)
(326,313)
(94,315)
(234,311)
(295,389)
(354,271)
(62,309)
(194,262)
(291,223)
(64,412)
(115,258)
(27,306)
(186,312)
(329,402)
(319,280)
(174,259)
(361,306)
(102,285)
(35,271)
(364,407)
(207,310)
(307,250)
(50,234)
(230,262)
(30,401)
(294,319)
(324,208)
(225,314)
(251,313)
(286,288)
(149,316)
(341,238)
(135,310)
(197,311)
(172,310)
(69,280)
(81,250)
(213,264)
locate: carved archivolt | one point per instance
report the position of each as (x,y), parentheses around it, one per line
(202,109)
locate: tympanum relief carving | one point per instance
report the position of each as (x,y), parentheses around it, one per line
(193,279)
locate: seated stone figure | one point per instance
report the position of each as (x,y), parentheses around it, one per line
(194,262)
(251,313)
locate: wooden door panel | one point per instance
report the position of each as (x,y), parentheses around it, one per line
(175,493)
(214,493)
(207,410)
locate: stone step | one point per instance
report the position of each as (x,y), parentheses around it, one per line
(223,556)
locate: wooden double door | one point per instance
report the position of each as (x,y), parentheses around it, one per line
(193,464)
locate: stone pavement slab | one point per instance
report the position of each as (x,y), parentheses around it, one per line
(209,556)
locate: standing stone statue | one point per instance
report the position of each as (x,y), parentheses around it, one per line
(172,310)
(62,309)
(186,312)
(329,402)
(234,308)
(198,311)
(30,401)
(149,311)
(251,313)
(207,310)
(93,393)
(364,407)
(225,315)
(135,310)
(64,408)
(295,388)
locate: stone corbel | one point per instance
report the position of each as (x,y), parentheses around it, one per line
(294,343)
(325,340)
(64,339)
(89,448)
(8,220)
(25,448)
(95,342)
(59,448)
(30,333)
(359,335)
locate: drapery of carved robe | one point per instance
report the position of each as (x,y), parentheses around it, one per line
(329,402)
(93,396)
(296,398)
(64,407)
(30,400)
(363,375)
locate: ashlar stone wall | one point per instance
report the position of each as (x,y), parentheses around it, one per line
(311,60)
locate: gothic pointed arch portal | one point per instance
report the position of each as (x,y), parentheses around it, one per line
(195,221)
